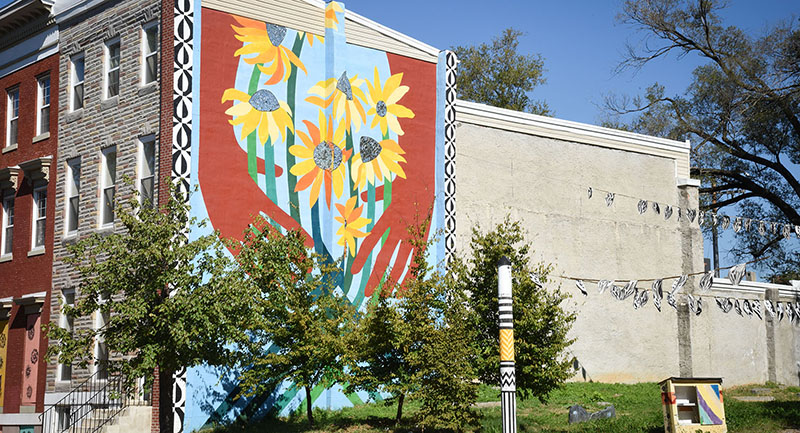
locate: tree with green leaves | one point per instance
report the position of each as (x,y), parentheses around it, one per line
(298,322)
(497,74)
(741,112)
(166,301)
(540,323)
(419,344)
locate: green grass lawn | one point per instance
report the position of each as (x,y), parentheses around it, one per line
(638,410)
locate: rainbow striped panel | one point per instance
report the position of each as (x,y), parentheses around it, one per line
(709,405)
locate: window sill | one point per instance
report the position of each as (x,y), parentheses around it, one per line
(41,137)
(36,252)
(109,103)
(105,229)
(6,258)
(144,89)
(9,148)
(73,116)
(69,239)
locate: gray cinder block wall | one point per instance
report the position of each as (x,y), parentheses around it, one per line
(120,121)
(538,171)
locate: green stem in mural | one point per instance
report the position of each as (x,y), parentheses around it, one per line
(291,92)
(252,139)
(387,194)
(269,171)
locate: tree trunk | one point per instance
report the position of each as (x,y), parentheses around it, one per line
(308,406)
(400,399)
(165,415)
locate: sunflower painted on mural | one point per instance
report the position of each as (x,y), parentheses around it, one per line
(331,20)
(346,96)
(351,224)
(376,161)
(383,102)
(264,40)
(323,159)
(262,111)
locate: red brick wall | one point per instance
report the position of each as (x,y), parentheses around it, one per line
(165,143)
(25,275)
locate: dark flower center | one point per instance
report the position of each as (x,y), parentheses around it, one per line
(327,156)
(264,100)
(344,86)
(370,149)
(276,33)
(380,107)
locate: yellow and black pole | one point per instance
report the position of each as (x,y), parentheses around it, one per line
(508,387)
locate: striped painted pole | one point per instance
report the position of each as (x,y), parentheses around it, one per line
(508,387)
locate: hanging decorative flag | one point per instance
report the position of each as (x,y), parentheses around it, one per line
(679,283)
(705,282)
(726,222)
(746,224)
(789,310)
(714,219)
(640,298)
(680,215)
(616,292)
(755,305)
(701,217)
(581,287)
(537,279)
(691,214)
(657,302)
(769,308)
(787,231)
(737,224)
(609,199)
(602,285)
(629,289)
(724,304)
(658,292)
(589,191)
(656,209)
(737,307)
(672,301)
(746,308)
(642,206)
(773,228)
(762,228)
(667,212)
(695,305)
(779,310)
(737,273)
(797,231)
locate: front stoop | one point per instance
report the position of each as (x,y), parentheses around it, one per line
(133,419)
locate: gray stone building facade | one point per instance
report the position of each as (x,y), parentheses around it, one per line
(108,130)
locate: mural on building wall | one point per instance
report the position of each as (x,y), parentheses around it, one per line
(3,351)
(335,140)
(31,362)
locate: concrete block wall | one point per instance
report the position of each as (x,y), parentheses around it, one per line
(120,121)
(543,182)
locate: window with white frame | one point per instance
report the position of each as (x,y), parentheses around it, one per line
(76,82)
(39,217)
(102,317)
(149,52)
(112,56)
(73,195)
(12,117)
(8,225)
(67,323)
(43,106)
(147,168)
(108,173)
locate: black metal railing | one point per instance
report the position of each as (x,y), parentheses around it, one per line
(91,405)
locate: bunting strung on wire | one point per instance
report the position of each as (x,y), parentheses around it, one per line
(743,307)
(736,223)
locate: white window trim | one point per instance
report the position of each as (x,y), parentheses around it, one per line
(107,67)
(73,81)
(6,199)
(62,323)
(35,218)
(71,166)
(40,103)
(103,171)
(9,110)
(145,54)
(141,164)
